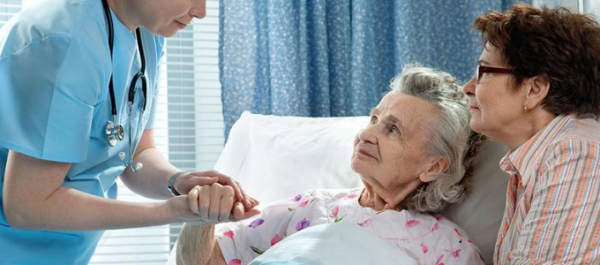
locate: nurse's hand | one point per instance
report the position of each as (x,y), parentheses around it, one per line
(187,181)
(212,205)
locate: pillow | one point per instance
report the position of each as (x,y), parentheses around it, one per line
(481,212)
(275,157)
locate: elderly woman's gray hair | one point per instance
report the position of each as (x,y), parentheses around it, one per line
(450,135)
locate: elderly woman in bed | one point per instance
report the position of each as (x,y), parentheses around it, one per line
(412,158)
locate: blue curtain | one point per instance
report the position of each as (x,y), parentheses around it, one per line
(322,58)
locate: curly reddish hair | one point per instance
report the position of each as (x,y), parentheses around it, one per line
(561,47)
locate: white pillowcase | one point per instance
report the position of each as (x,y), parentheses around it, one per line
(276,157)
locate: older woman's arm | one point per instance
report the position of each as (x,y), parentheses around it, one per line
(215,204)
(197,245)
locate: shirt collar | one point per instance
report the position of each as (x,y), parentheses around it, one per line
(524,160)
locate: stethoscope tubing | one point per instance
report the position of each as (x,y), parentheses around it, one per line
(140,74)
(114,131)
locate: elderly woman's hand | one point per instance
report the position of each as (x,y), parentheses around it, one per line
(211,205)
(189,180)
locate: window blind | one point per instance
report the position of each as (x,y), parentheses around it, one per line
(7,9)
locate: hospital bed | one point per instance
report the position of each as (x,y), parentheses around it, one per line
(276,157)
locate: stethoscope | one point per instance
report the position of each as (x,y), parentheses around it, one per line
(114,131)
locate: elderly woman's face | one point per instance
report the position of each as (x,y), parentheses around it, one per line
(390,152)
(494,105)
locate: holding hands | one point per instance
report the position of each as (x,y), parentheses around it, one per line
(186,182)
(212,198)
(216,204)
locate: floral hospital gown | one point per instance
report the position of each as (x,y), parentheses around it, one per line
(428,239)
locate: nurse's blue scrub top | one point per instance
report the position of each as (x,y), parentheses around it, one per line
(54,104)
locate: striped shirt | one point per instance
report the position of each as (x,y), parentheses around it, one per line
(552,213)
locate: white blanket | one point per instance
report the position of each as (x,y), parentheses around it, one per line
(329,244)
(338,243)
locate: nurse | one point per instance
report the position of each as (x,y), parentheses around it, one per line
(78,88)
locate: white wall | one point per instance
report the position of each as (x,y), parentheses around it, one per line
(592,7)
(573,5)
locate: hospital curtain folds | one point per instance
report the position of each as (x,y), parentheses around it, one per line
(188,129)
(336,57)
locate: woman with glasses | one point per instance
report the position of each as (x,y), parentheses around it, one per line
(536,89)
(78,94)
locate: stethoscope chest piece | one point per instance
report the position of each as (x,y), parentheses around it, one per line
(114,133)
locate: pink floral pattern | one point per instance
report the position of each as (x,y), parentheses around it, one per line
(439,260)
(425,248)
(303,204)
(412,223)
(235,262)
(334,214)
(458,232)
(229,234)
(275,240)
(424,237)
(335,211)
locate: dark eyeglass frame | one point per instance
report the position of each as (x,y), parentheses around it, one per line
(481,69)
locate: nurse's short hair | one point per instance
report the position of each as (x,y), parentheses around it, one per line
(449,135)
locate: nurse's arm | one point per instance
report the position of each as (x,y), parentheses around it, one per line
(34,198)
(151,181)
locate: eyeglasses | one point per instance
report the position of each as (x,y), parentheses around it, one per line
(480,70)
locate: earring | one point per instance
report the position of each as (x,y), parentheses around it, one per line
(525,108)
